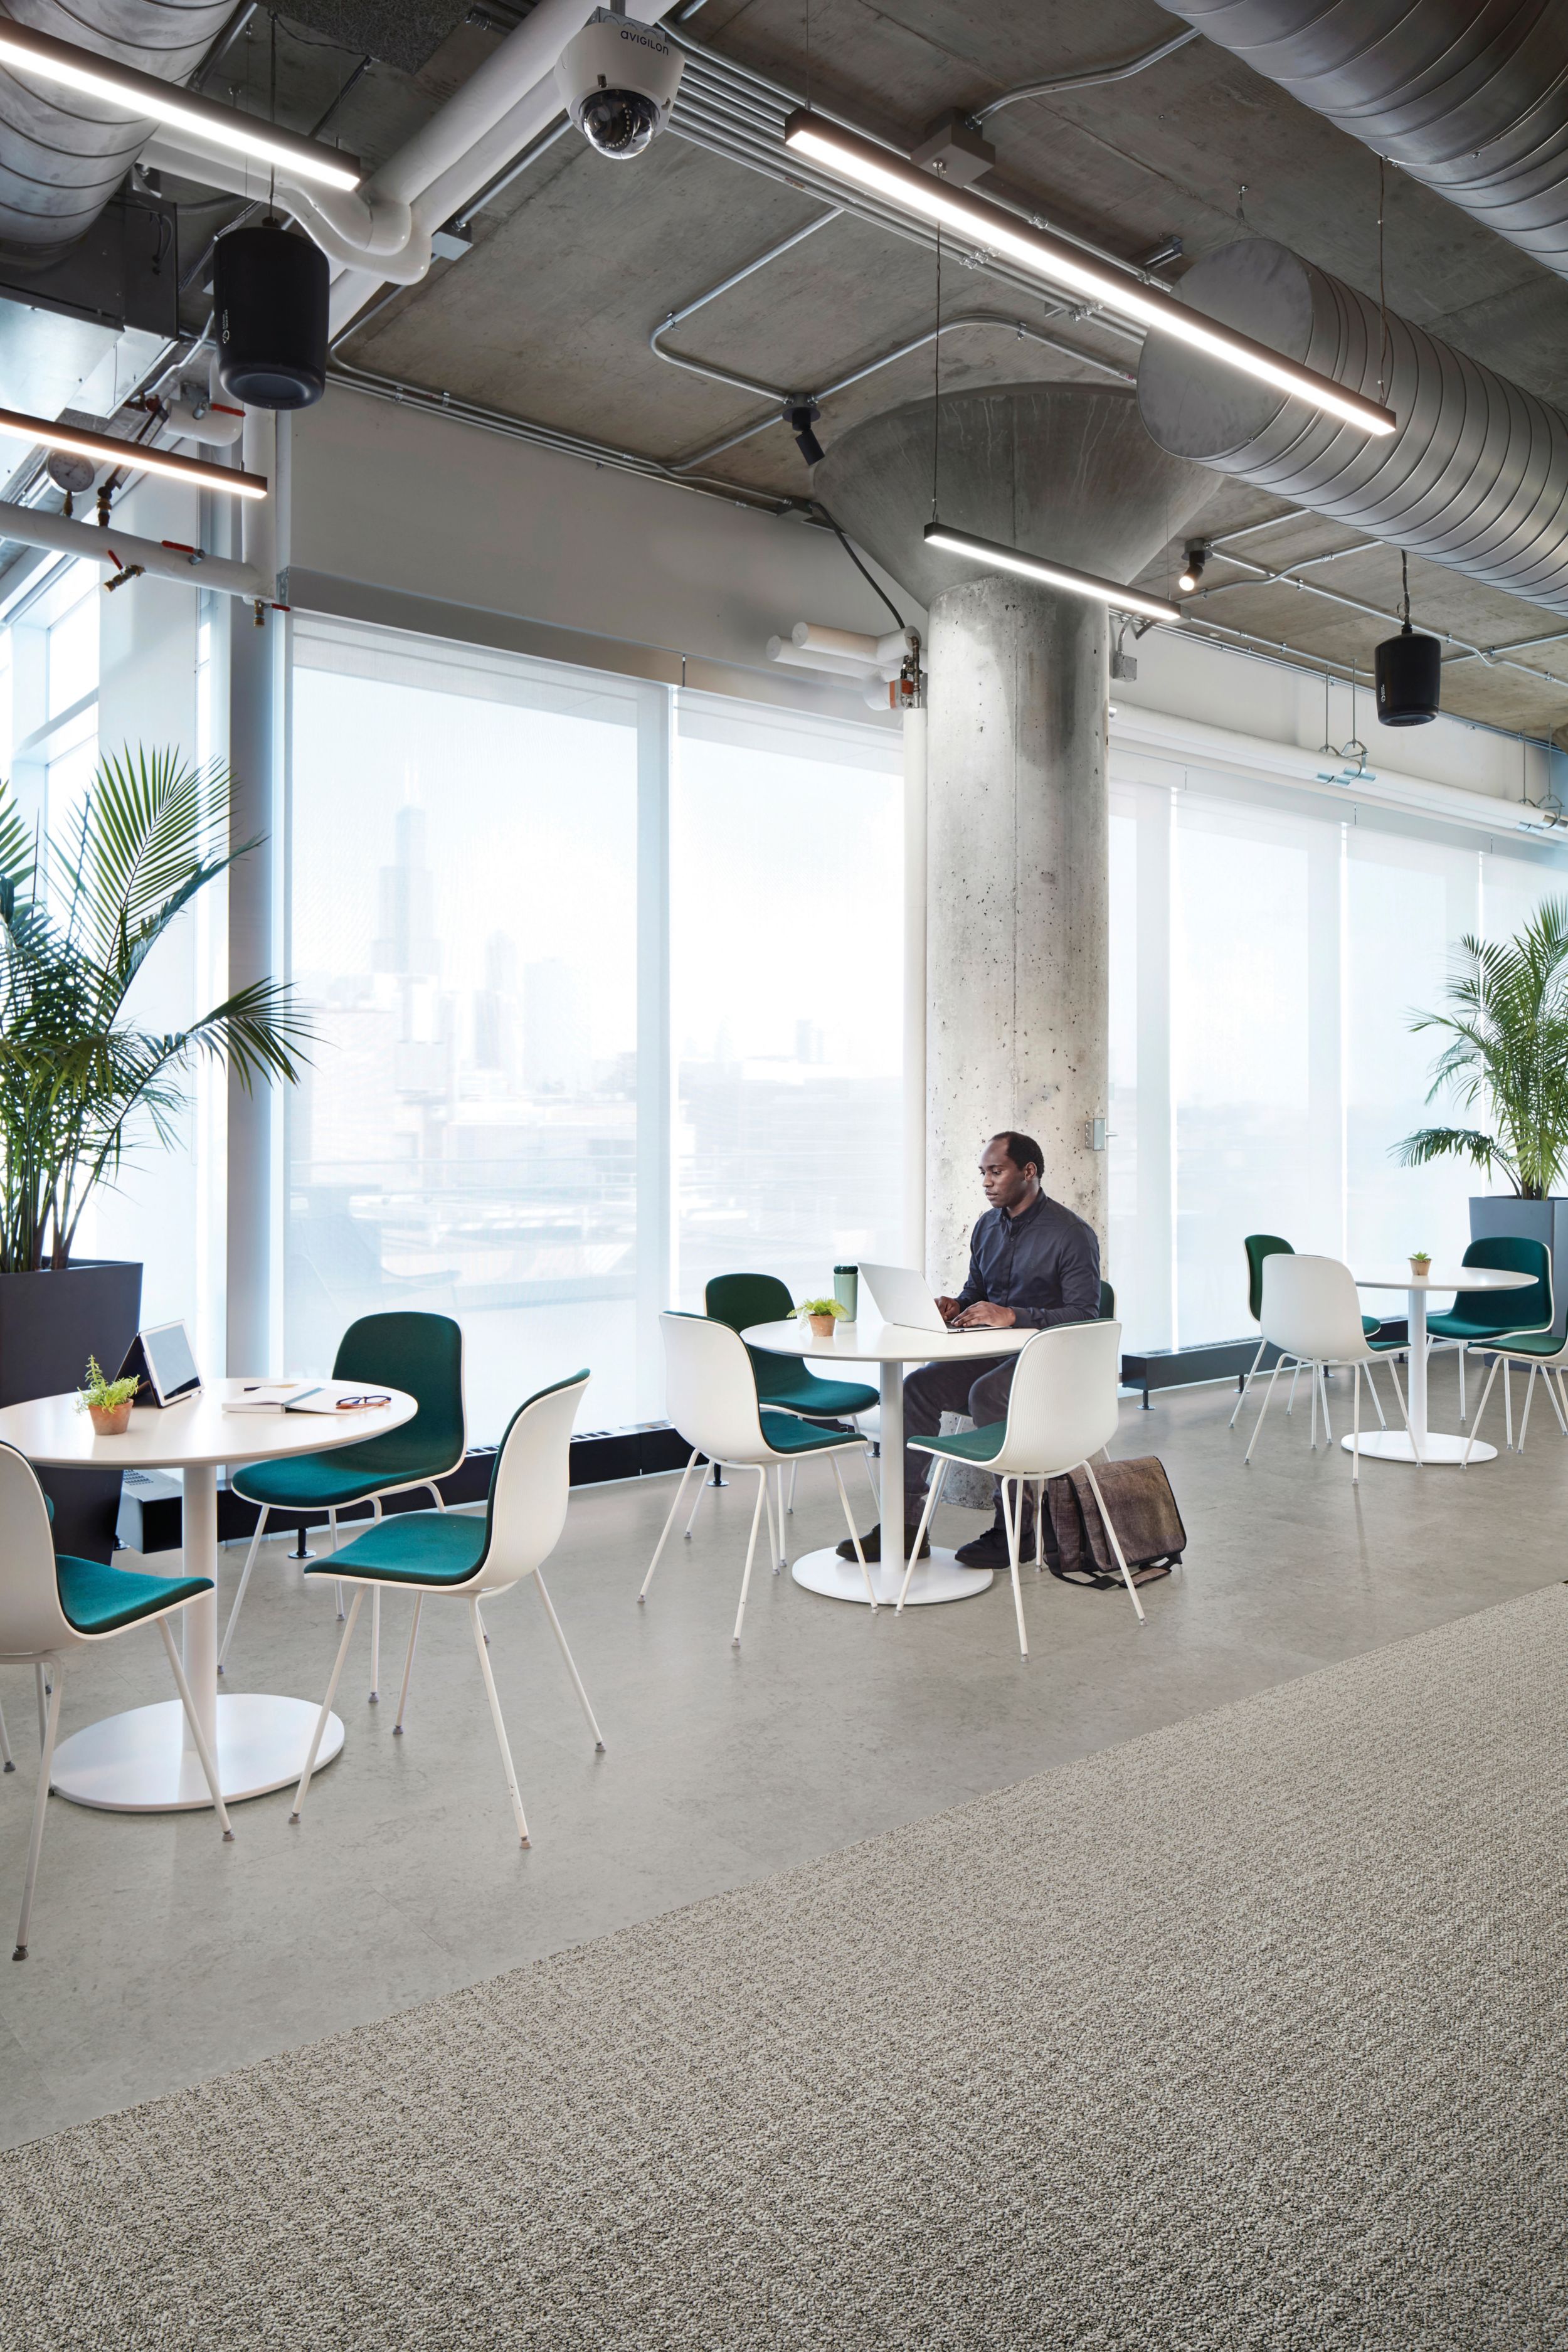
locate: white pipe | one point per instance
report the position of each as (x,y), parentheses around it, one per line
(915,987)
(854,644)
(113,548)
(258,524)
(828,665)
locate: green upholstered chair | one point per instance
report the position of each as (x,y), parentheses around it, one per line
(422,1355)
(784,1383)
(1544,1352)
(1478,1315)
(1259,1247)
(456,1554)
(53,1607)
(1107,1303)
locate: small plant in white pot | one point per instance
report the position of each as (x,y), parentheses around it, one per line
(107,1403)
(822,1314)
(1420,1264)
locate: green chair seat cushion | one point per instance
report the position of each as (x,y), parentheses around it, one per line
(968,1444)
(788,1436)
(794,1389)
(1386,1346)
(1540,1345)
(100,1600)
(1369,1324)
(413,1547)
(315,1482)
(1459,1325)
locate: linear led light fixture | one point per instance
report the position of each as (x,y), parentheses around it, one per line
(46,59)
(104,449)
(1053,575)
(998,231)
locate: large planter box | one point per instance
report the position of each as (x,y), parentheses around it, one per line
(1536,1220)
(50,1325)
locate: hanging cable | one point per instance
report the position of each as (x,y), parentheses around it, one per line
(818,508)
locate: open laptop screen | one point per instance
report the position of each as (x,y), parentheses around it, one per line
(169,1361)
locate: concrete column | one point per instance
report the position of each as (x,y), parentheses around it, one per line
(1018,824)
(1016,919)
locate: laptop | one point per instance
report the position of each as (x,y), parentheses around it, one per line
(902,1296)
(162,1360)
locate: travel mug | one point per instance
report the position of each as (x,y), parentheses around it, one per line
(846,1288)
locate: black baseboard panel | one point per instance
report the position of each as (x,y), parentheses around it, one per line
(1221,1359)
(150,1505)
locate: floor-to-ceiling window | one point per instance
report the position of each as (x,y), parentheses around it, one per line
(607,985)
(1269,952)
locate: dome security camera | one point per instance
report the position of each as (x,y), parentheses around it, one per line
(617,80)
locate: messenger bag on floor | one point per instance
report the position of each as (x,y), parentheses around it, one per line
(1143,1510)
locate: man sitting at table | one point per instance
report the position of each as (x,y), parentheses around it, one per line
(1031,1263)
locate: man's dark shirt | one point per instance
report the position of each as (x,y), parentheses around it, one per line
(1044,1264)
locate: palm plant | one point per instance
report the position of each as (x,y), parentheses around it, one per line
(1507,1050)
(79,917)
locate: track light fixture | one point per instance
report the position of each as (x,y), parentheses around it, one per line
(997,557)
(800,415)
(42,59)
(104,449)
(1197,555)
(993,229)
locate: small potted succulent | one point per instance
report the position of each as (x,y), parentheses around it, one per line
(822,1314)
(1420,1264)
(108,1402)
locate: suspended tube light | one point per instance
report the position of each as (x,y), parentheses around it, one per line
(43,58)
(104,449)
(995,230)
(995,557)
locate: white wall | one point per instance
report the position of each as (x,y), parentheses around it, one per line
(388,499)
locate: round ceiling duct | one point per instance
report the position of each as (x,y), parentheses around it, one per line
(1476,477)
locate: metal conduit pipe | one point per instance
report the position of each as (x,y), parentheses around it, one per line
(1476,477)
(1090,78)
(1470,99)
(63,155)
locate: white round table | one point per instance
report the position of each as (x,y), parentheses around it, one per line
(142,1761)
(1436,1446)
(889,1345)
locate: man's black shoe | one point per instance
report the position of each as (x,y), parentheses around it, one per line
(872,1545)
(990,1550)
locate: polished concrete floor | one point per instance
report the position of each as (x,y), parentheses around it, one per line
(159,1956)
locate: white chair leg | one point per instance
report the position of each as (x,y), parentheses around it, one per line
(1040,1527)
(933,1493)
(1372,1392)
(199,1737)
(40,1806)
(303,1791)
(1475,1428)
(670,1522)
(869,1462)
(1508,1401)
(1246,1383)
(1114,1541)
(244,1581)
(1314,1377)
(1463,1352)
(782,1561)
(507,1766)
(1529,1400)
(793,1472)
(1268,1400)
(41,1687)
(1294,1376)
(750,1555)
(854,1535)
(697,1506)
(408,1666)
(570,1663)
(337,1584)
(10,1761)
(375,1646)
(1323,1393)
(1355,1423)
(1013,1520)
(1552,1396)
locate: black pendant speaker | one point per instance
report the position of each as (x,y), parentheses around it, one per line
(1409,673)
(269,297)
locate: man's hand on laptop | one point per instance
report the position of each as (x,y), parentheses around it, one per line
(981,1316)
(947,1308)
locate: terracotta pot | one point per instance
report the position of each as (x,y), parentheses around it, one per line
(822,1325)
(1420,1267)
(111,1423)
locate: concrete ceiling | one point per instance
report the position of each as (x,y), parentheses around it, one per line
(548,318)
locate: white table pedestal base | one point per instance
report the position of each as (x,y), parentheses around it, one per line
(1393,1445)
(940,1578)
(142,1762)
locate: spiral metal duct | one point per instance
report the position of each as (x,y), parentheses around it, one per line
(61,155)
(1476,477)
(1468,96)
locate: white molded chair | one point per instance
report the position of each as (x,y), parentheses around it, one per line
(1311,1311)
(711,1399)
(1061,1410)
(431,1553)
(51,1607)
(1545,1353)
